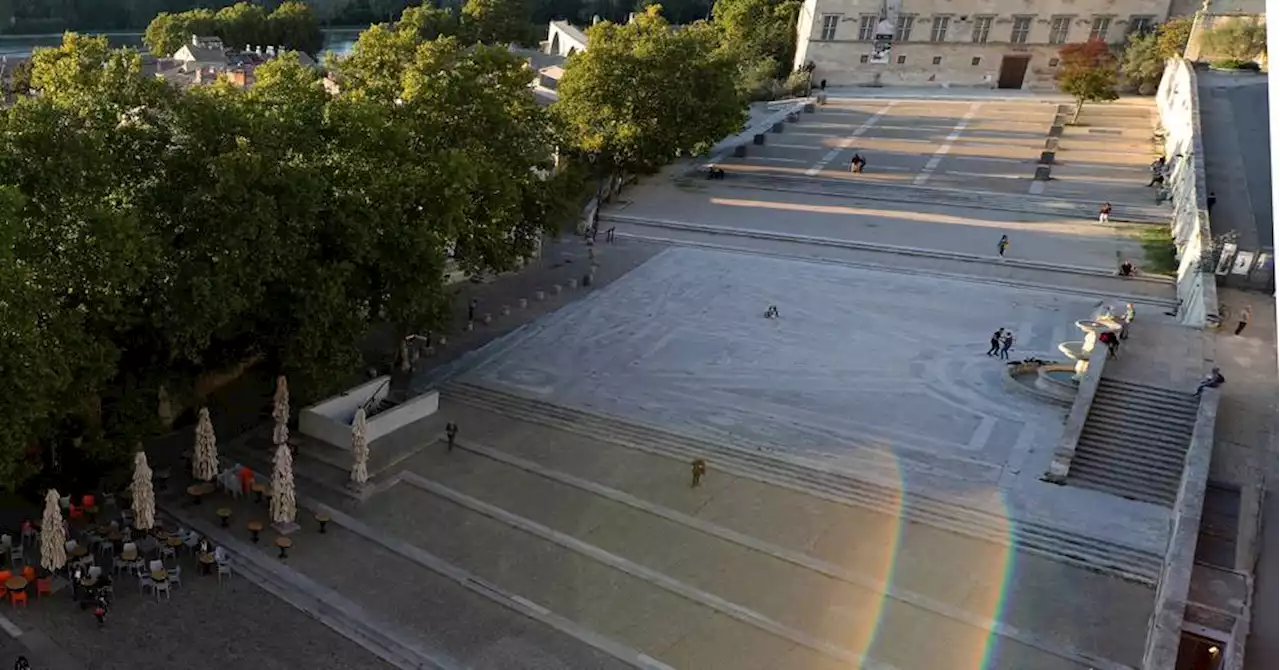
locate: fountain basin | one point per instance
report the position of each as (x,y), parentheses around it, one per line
(1076,351)
(1051,382)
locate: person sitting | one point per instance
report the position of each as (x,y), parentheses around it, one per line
(1109,338)
(1211,381)
(772,312)
(857,163)
(1127,269)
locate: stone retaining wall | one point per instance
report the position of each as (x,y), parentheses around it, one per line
(1179,107)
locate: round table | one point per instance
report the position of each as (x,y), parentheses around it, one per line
(322,518)
(89,582)
(254,527)
(258,490)
(198,491)
(16,583)
(224,513)
(175,542)
(80,551)
(206,562)
(284,543)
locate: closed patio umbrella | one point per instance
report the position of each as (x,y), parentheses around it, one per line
(205,464)
(53,535)
(284,505)
(359,450)
(144,496)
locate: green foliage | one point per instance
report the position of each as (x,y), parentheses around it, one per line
(1143,63)
(1238,40)
(428,23)
(151,236)
(1172,36)
(1087,72)
(291,25)
(759,29)
(498,21)
(20,78)
(1158,251)
(626,101)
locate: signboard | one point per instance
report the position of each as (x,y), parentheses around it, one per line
(882,44)
(1224,261)
(1244,261)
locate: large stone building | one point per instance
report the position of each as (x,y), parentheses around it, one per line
(992,43)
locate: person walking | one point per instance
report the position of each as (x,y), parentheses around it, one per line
(1005,345)
(1104,213)
(1245,316)
(451,434)
(1002,245)
(1157,172)
(1129,312)
(699,471)
(995,342)
(1210,200)
(471,309)
(1109,338)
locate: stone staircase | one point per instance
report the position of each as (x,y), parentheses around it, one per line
(1134,442)
(1073,548)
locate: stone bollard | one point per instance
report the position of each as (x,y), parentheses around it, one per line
(1042,173)
(740,151)
(779,127)
(758,140)
(573,283)
(540,296)
(471,325)
(1046,157)
(793,117)
(524,303)
(556,289)
(506,310)
(809,107)
(488,318)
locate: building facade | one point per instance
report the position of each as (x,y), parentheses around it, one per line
(989,43)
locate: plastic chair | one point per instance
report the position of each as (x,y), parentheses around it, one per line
(28,532)
(95,572)
(6,540)
(16,555)
(5,575)
(29,573)
(75,512)
(16,597)
(157,587)
(44,586)
(175,575)
(145,582)
(88,500)
(168,552)
(156,566)
(64,502)
(224,568)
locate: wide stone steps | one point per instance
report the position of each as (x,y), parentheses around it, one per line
(1135,442)
(1100,555)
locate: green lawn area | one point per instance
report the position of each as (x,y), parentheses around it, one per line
(1158,251)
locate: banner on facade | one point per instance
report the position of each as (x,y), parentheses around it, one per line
(882,44)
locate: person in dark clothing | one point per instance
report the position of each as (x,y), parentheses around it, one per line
(699,471)
(1109,338)
(1002,245)
(451,433)
(857,163)
(471,309)
(1212,198)
(1211,381)
(995,342)
(822,85)
(22,664)
(1005,345)
(1126,269)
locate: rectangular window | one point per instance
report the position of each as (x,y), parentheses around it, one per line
(867,27)
(981,29)
(1059,29)
(864,58)
(1021,28)
(1098,31)
(1141,25)
(1053,62)
(937,60)
(902,60)
(976,61)
(902,31)
(829,23)
(938,33)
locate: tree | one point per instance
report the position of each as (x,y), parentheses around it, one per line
(758,29)
(169,32)
(20,78)
(427,22)
(1143,65)
(497,21)
(292,25)
(1236,42)
(1087,72)
(625,102)
(1172,36)
(242,24)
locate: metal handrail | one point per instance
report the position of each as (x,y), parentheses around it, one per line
(372,401)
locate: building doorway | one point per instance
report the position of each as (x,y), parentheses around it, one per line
(1013,69)
(1199,653)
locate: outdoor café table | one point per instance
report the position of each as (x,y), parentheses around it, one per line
(224,513)
(258,490)
(197,491)
(174,541)
(16,583)
(206,563)
(284,543)
(80,551)
(322,518)
(254,527)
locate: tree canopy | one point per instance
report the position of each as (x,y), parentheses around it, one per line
(291,25)
(1145,54)
(498,21)
(1236,41)
(759,31)
(152,237)
(1088,72)
(643,94)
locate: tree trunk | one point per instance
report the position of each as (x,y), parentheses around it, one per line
(1076,117)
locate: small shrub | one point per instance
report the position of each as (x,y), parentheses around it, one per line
(1158,251)
(1242,40)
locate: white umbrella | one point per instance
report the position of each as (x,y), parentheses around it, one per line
(280,403)
(53,535)
(284,504)
(205,464)
(360,450)
(144,496)
(280,434)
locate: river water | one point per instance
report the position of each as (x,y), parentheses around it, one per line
(336,40)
